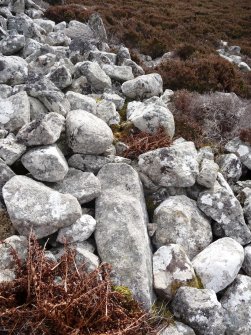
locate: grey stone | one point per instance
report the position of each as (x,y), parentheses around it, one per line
(224,208)
(5,91)
(46,163)
(37,109)
(119,73)
(30,47)
(58,38)
(47,25)
(96,77)
(121,230)
(218,264)
(149,117)
(106,110)
(61,77)
(42,131)
(96,24)
(82,185)
(80,101)
(171,166)
(171,270)
(14,112)
(30,204)
(240,149)
(236,302)
(60,26)
(89,163)
(11,44)
(13,70)
(77,29)
(208,173)
(145,86)
(79,231)
(247,209)
(5,174)
(10,149)
(86,133)
(115,98)
(14,242)
(52,98)
(25,26)
(230,167)
(123,54)
(184,329)
(247,260)
(102,57)
(179,221)
(200,310)
(136,69)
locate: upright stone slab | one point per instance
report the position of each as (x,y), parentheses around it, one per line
(121,232)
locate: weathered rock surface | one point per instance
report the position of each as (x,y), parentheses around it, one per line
(82,185)
(31,205)
(145,86)
(200,310)
(222,206)
(121,223)
(87,134)
(19,244)
(171,166)
(46,163)
(10,149)
(171,270)
(80,101)
(5,174)
(14,112)
(96,77)
(149,117)
(218,264)
(80,231)
(208,173)
(179,221)
(240,149)
(13,70)
(247,260)
(42,131)
(230,167)
(236,302)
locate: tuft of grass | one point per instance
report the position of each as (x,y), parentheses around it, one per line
(48,298)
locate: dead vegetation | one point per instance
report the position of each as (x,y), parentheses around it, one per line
(140,142)
(59,298)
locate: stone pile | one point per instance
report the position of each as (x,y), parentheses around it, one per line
(61,91)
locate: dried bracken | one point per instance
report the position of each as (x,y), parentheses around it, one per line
(141,142)
(59,298)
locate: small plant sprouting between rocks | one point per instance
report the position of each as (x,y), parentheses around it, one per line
(58,298)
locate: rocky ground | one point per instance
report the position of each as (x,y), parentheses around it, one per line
(63,175)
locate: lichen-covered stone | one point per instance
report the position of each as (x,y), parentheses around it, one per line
(179,221)
(121,231)
(145,86)
(46,163)
(31,205)
(199,309)
(236,302)
(14,112)
(82,185)
(171,166)
(42,131)
(171,270)
(222,206)
(87,134)
(219,263)
(79,231)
